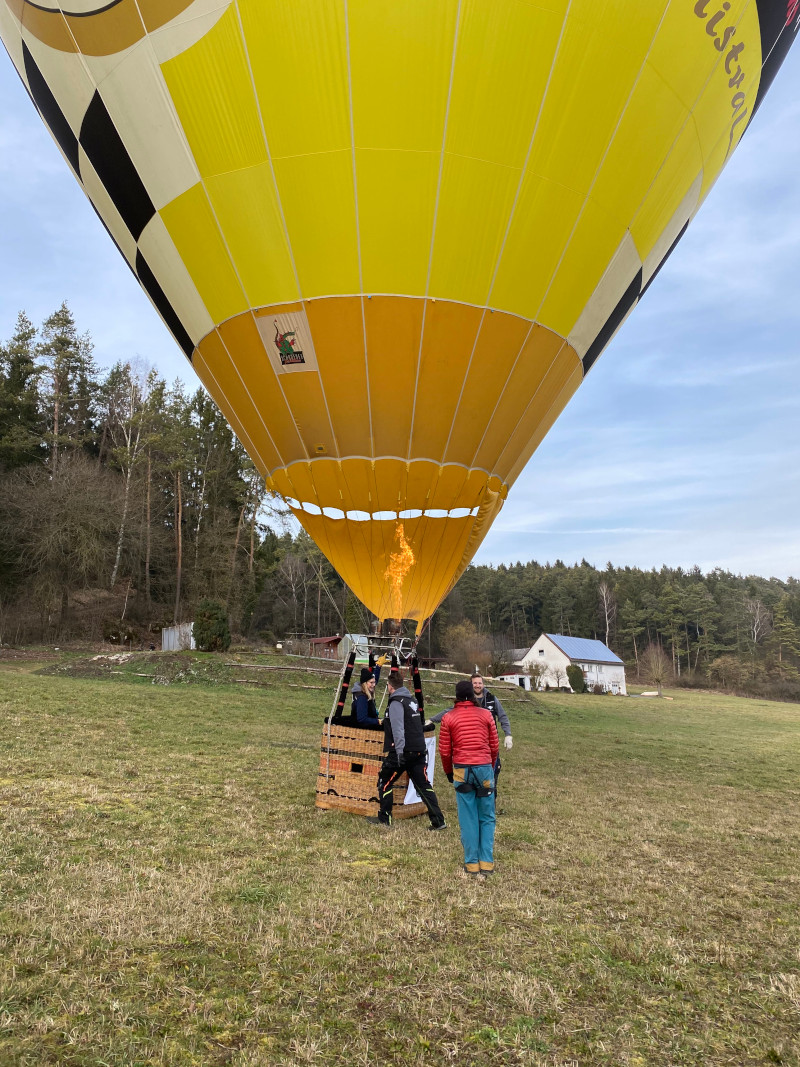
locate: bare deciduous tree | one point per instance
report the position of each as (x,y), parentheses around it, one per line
(63,530)
(125,392)
(466,647)
(656,666)
(759,620)
(558,674)
(608,608)
(537,673)
(292,580)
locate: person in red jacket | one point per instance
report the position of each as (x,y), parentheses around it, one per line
(468,745)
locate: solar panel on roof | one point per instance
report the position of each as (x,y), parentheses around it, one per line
(583,648)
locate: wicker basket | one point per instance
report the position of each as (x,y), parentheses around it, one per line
(348,773)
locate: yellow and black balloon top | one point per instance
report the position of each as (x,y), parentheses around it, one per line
(392,236)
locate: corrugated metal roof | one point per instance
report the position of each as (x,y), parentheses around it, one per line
(581,648)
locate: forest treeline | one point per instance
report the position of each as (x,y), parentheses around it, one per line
(740,633)
(125,500)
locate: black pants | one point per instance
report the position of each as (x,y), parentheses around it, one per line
(414,767)
(497,767)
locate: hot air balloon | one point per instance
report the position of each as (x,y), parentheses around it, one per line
(393,236)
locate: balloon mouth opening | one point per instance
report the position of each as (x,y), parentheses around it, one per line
(392,627)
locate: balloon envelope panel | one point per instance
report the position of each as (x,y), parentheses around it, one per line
(394,235)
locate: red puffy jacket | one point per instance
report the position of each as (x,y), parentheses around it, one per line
(469,736)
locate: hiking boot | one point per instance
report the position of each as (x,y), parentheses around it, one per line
(376,820)
(438,826)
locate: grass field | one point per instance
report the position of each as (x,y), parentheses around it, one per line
(169,894)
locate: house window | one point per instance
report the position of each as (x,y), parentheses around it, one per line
(541,651)
(599,670)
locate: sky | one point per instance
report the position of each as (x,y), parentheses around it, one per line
(681,448)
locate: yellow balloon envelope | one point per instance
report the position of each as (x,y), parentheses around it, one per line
(392,236)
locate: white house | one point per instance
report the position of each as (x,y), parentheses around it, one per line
(555,652)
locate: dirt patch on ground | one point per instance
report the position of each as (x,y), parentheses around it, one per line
(158,668)
(27,655)
(26,659)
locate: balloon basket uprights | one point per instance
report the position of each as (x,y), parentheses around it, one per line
(350,759)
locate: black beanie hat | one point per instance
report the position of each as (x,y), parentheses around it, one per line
(464,691)
(366,675)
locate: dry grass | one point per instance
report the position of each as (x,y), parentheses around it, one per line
(171,896)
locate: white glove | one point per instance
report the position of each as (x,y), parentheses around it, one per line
(508,742)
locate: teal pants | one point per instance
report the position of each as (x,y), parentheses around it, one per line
(476,818)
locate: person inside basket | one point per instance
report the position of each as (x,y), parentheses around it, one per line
(364,710)
(468,746)
(404,751)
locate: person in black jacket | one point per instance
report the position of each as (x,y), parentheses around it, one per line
(364,709)
(404,751)
(485,699)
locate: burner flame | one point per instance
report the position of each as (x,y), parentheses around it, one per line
(400,563)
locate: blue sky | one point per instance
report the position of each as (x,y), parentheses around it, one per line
(682,446)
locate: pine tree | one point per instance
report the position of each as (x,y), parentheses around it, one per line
(179,446)
(20,425)
(784,641)
(631,619)
(72,389)
(124,422)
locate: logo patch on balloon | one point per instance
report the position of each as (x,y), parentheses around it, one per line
(286,343)
(287,339)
